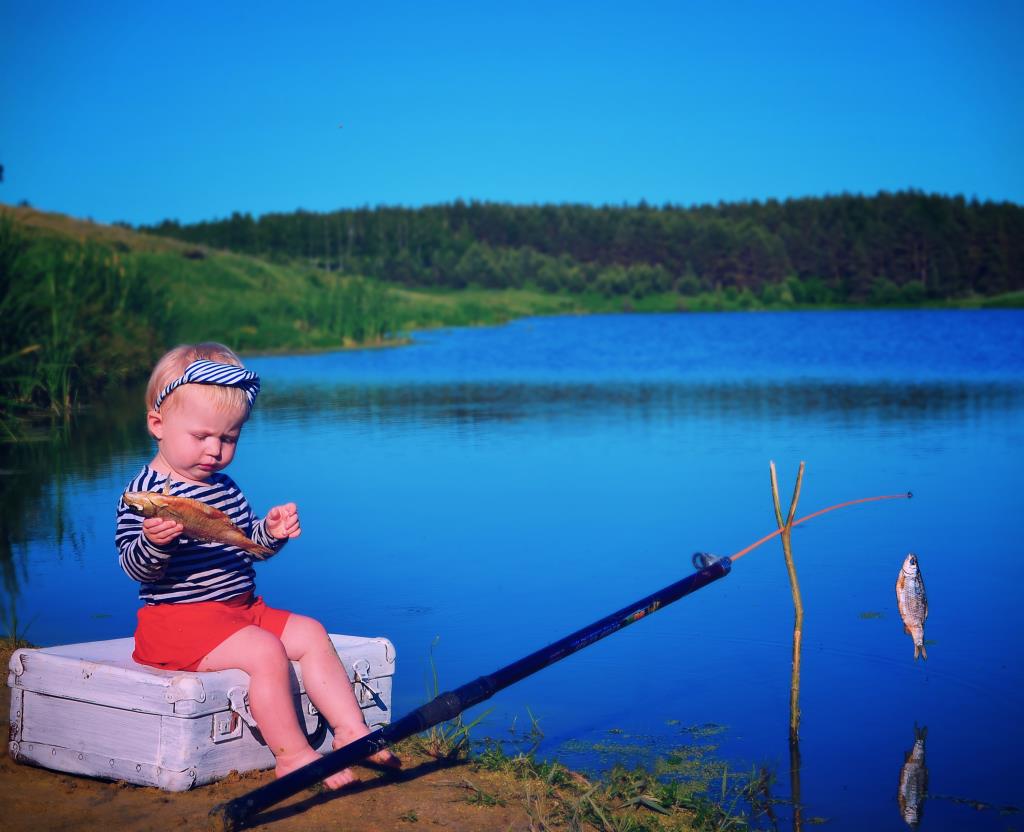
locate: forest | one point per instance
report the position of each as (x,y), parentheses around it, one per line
(904,247)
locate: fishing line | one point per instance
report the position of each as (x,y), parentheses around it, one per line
(777,532)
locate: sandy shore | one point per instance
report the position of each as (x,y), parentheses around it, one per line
(424,796)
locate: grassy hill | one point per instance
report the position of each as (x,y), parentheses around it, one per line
(256,304)
(86,305)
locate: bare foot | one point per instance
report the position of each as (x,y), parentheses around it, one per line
(384,757)
(287,764)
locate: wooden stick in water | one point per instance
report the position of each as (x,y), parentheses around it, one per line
(786,530)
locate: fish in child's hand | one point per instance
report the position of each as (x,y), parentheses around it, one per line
(199,520)
(913,602)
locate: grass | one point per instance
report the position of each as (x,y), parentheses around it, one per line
(14,638)
(50,224)
(449,741)
(77,317)
(684,790)
(260,305)
(88,306)
(427,309)
(1007,300)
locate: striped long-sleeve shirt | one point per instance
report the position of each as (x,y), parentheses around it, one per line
(189,570)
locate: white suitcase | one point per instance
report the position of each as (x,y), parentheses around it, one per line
(89,709)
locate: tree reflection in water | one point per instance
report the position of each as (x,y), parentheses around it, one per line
(35,473)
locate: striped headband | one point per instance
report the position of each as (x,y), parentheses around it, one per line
(205,371)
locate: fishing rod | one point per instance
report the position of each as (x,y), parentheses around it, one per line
(234,814)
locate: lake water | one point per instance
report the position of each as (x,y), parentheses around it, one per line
(499,488)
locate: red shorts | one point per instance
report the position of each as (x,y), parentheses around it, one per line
(179,636)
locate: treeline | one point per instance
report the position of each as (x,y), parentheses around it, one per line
(892,247)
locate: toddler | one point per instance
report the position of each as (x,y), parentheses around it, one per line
(201,611)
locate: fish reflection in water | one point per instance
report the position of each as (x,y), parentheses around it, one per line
(914,781)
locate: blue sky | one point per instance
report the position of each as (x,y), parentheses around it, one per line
(140,112)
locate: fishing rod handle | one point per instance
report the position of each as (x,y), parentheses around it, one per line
(446,706)
(232,815)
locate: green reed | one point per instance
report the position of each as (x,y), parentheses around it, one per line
(77,317)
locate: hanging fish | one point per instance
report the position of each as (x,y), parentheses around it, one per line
(914,780)
(913,603)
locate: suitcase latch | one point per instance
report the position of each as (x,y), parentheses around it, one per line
(227,725)
(238,698)
(366,694)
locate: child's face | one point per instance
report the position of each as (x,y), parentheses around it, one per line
(196,437)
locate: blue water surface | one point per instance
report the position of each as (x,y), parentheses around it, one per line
(498,488)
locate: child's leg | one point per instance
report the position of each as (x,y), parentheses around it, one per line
(262,655)
(327,684)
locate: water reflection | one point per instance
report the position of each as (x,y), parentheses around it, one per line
(480,402)
(913,786)
(36,473)
(794,783)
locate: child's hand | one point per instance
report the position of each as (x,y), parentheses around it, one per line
(283,521)
(160,531)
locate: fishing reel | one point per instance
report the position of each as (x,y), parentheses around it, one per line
(702,560)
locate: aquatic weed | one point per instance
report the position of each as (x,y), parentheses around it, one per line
(708,729)
(671,794)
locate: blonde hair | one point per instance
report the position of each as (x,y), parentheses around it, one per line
(173,364)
